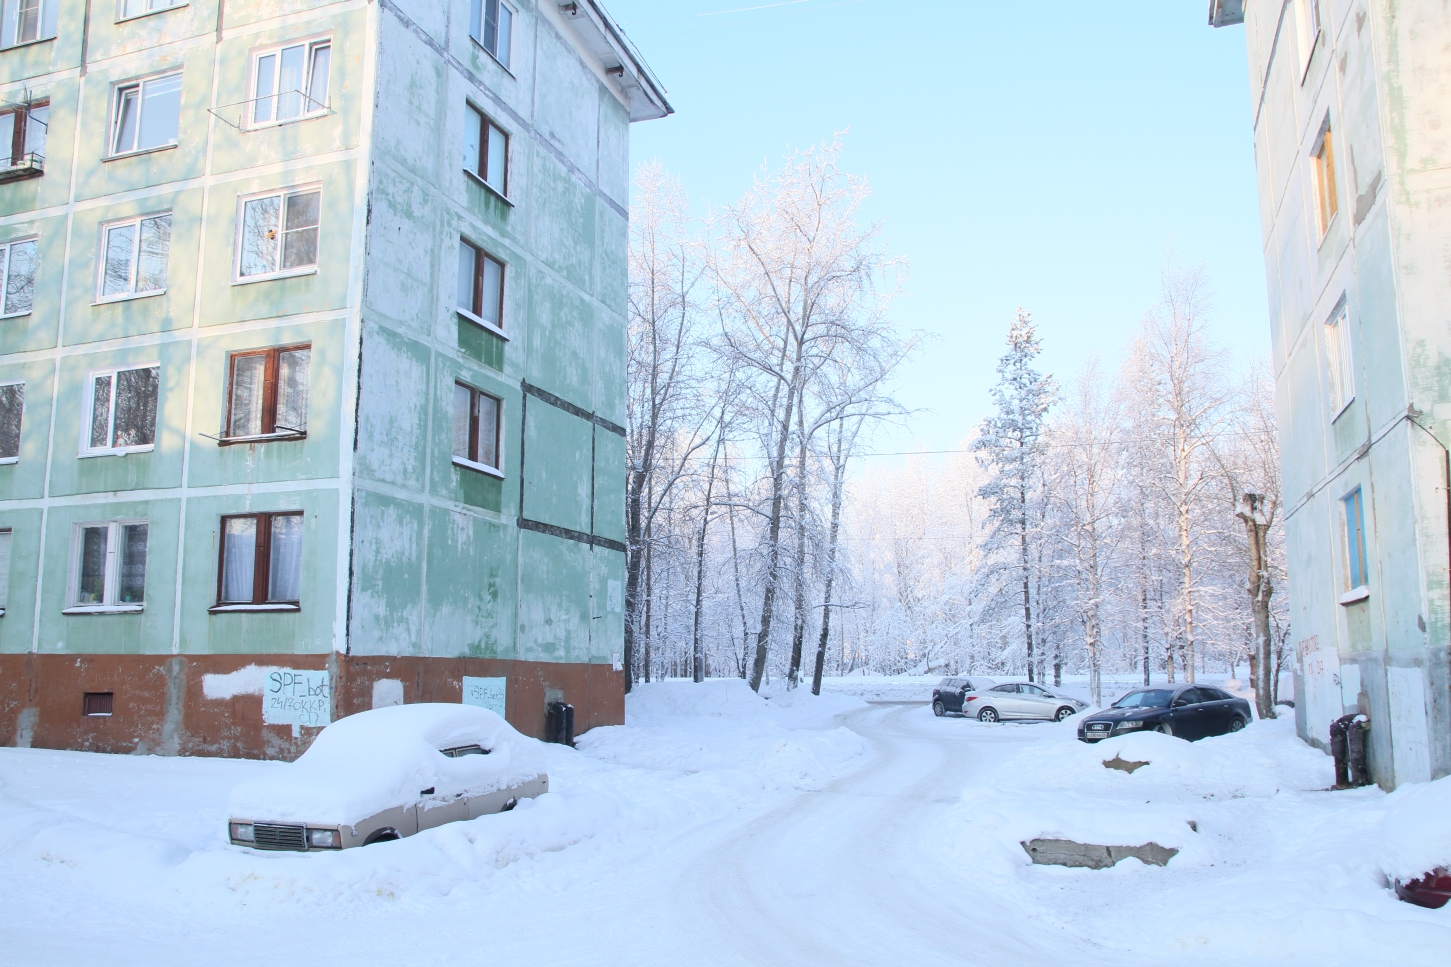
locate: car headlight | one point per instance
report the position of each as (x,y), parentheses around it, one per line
(322,838)
(242,833)
(1131,725)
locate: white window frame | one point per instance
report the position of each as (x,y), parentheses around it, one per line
(155,6)
(112,579)
(1307,32)
(113,128)
(7,547)
(45,28)
(482,6)
(88,404)
(312,110)
(7,461)
(100,297)
(237,277)
(5,250)
(1339,362)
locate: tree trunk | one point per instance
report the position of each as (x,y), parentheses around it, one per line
(1027,605)
(833,531)
(649,601)
(773,536)
(1257,526)
(697,652)
(798,629)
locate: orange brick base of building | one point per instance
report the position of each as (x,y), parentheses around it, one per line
(159,704)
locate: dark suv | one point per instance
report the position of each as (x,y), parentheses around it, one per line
(947,696)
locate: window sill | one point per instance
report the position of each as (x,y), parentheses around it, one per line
(1341,412)
(274,276)
(494,191)
(230,441)
(150,13)
(252,608)
(98,715)
(492,56)
(483,468)
(17,315)
(128,297)
(105,609)
(118,452)
(269,125)
(144,151)
(6,462)
(29,43)
(482,323)
(1354,595)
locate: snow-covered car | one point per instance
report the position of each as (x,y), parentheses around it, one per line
(1188,711)
(388,773)
(1019,700)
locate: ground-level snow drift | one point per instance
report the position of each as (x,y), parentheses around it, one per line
(718,827)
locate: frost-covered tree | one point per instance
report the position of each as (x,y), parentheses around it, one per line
(1008,445)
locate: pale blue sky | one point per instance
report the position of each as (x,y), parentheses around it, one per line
(1046,154)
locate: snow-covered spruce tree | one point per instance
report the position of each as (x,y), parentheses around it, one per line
(1009,448)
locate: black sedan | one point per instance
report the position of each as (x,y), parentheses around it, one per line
(1188,711)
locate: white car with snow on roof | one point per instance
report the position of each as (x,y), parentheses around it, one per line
(389,773)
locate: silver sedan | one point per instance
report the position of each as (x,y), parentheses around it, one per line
(1019,700)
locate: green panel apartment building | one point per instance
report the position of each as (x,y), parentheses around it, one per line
(312,352)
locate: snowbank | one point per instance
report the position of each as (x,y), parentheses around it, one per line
(1415,836)
(375,760)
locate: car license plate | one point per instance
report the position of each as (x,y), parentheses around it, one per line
(1099,727)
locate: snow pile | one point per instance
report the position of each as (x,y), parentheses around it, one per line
(380,759)
(1061,789)
(887,688)
(1415,836)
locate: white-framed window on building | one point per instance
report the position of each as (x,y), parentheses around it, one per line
(12,413)
(127,9)
(480,296)
(1322,158)
(486,150)
(17,277)
(491,24)
(1357,567)
(108,566)
(277,234)
(1338,360)
(5,538)
(133,257)
(26,21)
(120,410)
(267,394)
(1307,30)
(23,130)
(476,429)
(261,562)
(146,114)
(290,82)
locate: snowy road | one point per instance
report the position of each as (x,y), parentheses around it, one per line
(741,833)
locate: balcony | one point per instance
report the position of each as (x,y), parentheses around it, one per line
(30,165)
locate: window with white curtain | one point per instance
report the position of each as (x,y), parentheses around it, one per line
(26,21)
(491,23)
(475,429)
(267,393)
(133,257)
(126,9)
(290,82)
(108,566)
(261,561)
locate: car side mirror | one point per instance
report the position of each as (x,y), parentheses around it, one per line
(1179,703)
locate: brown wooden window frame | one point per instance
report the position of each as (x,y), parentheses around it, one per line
(1327,201)
(479,166)
(270,430)
(475,311)
(98,704)
(261,565)
(471,459)
(17,152)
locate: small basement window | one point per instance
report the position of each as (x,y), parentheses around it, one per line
(454,753)
(98,703)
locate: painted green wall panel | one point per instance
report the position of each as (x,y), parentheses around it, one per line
(562,219)
(392,440)
(275,460)
(556,467)
(404,237)
(560,339)
(149,632)
(53,187)
(388,574)
(607,584)
(308,631)
(74,474)
(471,587)
(17,628)
(480,345)
(554,601)
(609,484)
(25,479)
(464,484)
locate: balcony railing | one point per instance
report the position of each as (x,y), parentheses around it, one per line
(30,165)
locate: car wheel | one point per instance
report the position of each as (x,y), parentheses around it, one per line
(938,709)
(1165,728)
(988,714)
(1236,723)
(509,805)
(381,836)
(1062,713)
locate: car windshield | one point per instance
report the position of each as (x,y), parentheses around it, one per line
(1146,698)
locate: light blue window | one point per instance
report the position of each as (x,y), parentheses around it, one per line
(1355,539)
